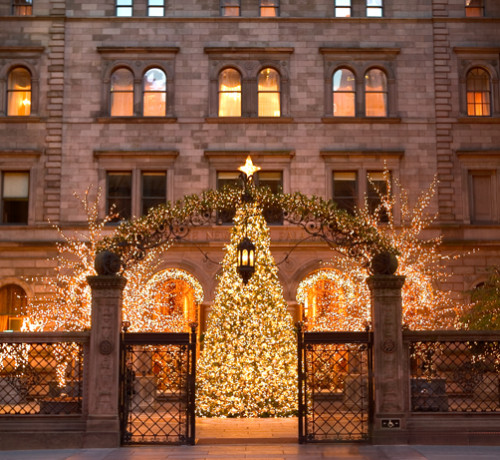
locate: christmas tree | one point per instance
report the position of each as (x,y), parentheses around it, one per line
(248,366)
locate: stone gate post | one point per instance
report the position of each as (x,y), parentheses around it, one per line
(103,427)
(389,367)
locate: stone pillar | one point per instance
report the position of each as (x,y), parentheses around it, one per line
(103,427)
(389,366)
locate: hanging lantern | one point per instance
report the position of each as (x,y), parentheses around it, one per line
(246,259)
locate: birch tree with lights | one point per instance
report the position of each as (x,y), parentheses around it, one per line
(248,365)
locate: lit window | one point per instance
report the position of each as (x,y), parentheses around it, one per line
(342,8)
(154,190)
(269,8)
(229,93)
(344,93)
(269,93)
(481,202)
(374,8)
(375,93)
(13,301)
(230,7)
(19,92)
(124,8)
(273,180)
(154,93)
(156,8)
(15,197)
(22,7)
(474,8)
(478,93)
(376,188)
(119,194)
(345,189)
(122,93)
(226,179)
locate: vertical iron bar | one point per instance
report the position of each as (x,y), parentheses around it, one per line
(371,399)
(192,385)
(300,347)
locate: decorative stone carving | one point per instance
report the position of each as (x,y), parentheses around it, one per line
(106,347)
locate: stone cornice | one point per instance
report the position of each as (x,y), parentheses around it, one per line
(137,49)
(238,50)
(362,153)
(242,153)
(376,282)
(357,51)
(171,154)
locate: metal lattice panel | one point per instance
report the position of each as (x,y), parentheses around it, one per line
(157,393)
(455,376)
(336,390)
(41,378)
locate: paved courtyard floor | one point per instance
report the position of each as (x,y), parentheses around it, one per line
(259,439)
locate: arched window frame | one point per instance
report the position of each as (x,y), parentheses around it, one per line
(259,92)
(132,91)
(4,79)
(13,91)
(144,92)
(7,316)
(354,92)
(219,91)
(383,92)
(469,90)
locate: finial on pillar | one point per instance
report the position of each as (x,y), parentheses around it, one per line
(107,263)
(384,263)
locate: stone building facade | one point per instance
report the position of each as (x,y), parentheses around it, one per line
(416,88)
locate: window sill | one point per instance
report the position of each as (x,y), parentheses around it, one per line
(245,120)
(361,120)
(487,120)
(136,120)
(21,119)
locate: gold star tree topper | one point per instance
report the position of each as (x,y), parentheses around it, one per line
(249,168)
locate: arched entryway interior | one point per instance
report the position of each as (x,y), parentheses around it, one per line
(332,299)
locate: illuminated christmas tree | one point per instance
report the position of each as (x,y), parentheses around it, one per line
(248,366)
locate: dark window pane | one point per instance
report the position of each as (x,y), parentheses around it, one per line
(225,216)
(22,7)
(481,197)
(15,197)
(119,194)
(376,188)
(154,190)
(273,180)
(345,190)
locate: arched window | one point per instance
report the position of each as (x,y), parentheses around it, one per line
(154,84)
(229,93)
(19,92)
(478,93)
(375,93)
(269,100)
(344,93)
(13,302)
(122,93)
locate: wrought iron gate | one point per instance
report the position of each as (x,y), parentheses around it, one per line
(157,396)
(335,390)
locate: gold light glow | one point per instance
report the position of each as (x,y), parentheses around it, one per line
(249,168)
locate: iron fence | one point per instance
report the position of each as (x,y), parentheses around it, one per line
(457,372)
(157,388)
(42,373)
(335,391)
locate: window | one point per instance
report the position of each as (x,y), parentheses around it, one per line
(156,8)
(376,187)
(374,8)
(119,195)
(154,190)
(375,93)
(344,93)
(481,196)
(154,84)
(19,92)
(15,197)
(22,7)
(269,8)
(474,8)
(478,93)
(269,93)
(345,189)
(124,8)
(229,93)
(226,179)
(230,7)
(342,8)
(122,93)
(273,180)
(13,301)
